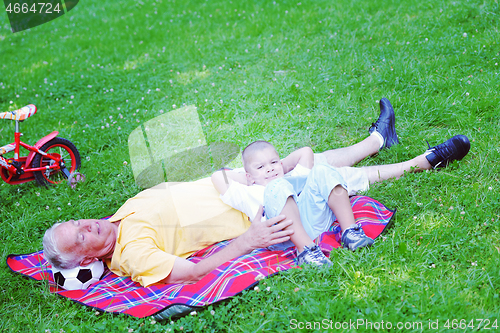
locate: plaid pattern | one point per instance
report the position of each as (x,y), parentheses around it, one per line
(121,295)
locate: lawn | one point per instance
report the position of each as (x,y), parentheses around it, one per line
(297,74)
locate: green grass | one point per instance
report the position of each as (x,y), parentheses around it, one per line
(297,74)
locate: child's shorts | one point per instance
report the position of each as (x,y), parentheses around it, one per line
(311,193)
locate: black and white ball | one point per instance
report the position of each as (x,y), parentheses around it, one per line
(80,277)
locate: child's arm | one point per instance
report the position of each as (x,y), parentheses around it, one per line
(221,182)
(303,156)
(236,192)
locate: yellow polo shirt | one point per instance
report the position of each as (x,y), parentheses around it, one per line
(167,221)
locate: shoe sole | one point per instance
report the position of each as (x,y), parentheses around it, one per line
(365,243)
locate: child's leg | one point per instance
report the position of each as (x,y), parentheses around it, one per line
(300,238)
(353,236)
(279,199)
(324,198)
(339,203)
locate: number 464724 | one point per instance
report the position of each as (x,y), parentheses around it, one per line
(40,7)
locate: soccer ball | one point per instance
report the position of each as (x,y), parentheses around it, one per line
(80,277)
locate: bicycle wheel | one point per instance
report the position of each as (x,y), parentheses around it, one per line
(62,148)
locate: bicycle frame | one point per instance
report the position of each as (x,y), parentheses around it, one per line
(10,172)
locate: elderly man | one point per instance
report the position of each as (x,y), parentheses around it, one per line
(152,234)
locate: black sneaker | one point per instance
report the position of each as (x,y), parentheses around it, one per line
(386,124)
(452,149)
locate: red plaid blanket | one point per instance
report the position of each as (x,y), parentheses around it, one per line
(121,295)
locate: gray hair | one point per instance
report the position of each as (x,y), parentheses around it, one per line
(52,253)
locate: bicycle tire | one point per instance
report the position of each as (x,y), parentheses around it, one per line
(69,153)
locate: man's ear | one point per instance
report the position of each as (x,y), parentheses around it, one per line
(87,261)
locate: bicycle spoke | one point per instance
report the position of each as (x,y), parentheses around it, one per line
(59,151)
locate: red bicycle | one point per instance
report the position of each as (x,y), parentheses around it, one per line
(51,160)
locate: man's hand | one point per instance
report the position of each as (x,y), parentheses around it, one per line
(265,233)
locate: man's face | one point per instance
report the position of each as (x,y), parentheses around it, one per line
(89,238)
(264,166)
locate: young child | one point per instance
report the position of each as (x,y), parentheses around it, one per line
(308,190)
(313,197)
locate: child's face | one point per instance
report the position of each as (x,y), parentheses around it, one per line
(264,166)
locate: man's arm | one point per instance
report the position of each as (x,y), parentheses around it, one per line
(259,235)
(303,156)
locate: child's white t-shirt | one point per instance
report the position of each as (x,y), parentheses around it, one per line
(247,199)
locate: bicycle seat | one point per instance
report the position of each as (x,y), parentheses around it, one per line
(23,113)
